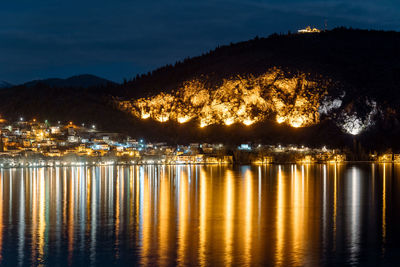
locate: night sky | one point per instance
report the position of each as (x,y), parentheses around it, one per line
(117,39)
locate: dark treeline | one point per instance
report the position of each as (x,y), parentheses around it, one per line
(364,64)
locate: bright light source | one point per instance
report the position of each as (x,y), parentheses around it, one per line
(203,124)
(183,119)
(145,116)
(280,119)
(248,122)
(296,122)
(229,121)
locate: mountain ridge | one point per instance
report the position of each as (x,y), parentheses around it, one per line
(81,80)
(4,84)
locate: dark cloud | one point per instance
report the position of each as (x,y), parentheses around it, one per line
(119,38)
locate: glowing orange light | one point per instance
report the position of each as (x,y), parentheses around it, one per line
(183,119)
(245,100)
(248,122)
(296,122)
(145,115)
(280,119)
(229,121)
(162,118)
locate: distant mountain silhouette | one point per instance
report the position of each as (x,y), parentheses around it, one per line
(4,84)
(84,81)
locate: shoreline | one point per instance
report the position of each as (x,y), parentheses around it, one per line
(116,163)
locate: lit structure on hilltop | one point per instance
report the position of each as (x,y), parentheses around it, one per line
(308,29)
(292,100)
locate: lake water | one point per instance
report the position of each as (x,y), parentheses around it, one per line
(288,215)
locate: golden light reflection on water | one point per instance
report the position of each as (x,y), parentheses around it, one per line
(183,217)
(335,204)
(164,220)
(145,219)
(41,220)
(248,217)
(280,218)
(71,215)
(229,215)
(205,215)
(297,215)
(384,203)
(1,215)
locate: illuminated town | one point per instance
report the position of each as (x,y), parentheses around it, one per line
(40,143)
